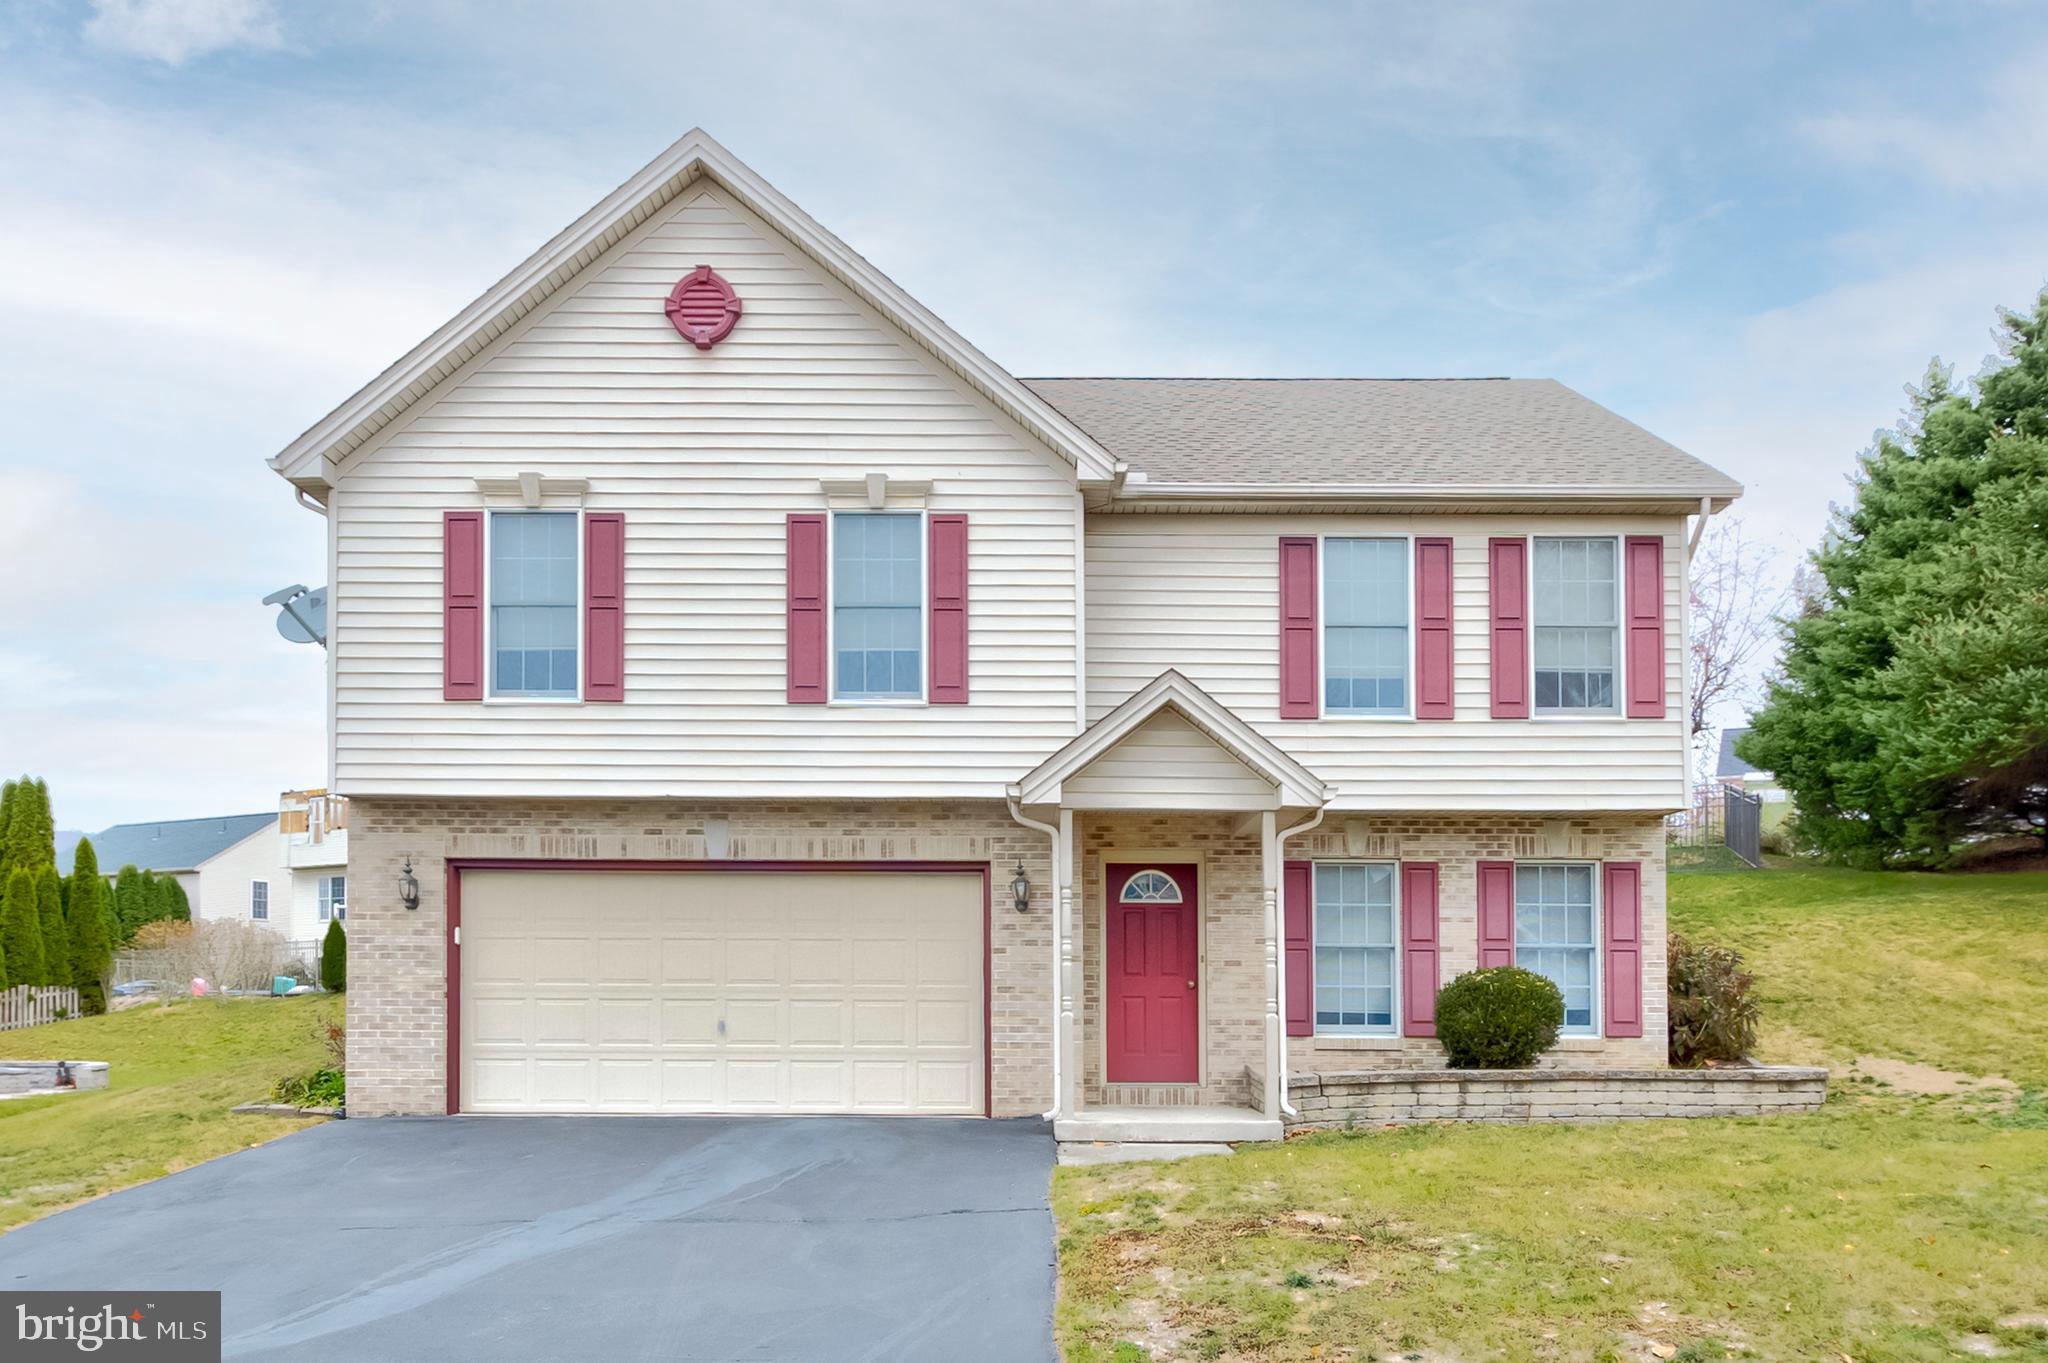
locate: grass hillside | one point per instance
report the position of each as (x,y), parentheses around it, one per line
(1942,970)
(1906,1221)
(174,1071)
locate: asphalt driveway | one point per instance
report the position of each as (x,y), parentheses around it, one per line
(566,1238)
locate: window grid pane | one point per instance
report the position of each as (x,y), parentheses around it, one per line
(1354,948)
(1576,624)
(259,899)
(1554,936)
(533,603)
(878,605)
(1365,626)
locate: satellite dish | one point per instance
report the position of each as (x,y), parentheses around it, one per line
(302,618)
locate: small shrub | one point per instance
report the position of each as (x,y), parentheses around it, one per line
(334,1036)
(1713,1003)
(334,959)
(315,1088)
(1498,1019)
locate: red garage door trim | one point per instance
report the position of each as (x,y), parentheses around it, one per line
(453,945)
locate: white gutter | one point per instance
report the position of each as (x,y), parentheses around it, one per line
(308,502)
(1412,491)
(1052,1113)
(1280,984)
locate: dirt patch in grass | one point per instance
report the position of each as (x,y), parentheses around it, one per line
(1926,1080)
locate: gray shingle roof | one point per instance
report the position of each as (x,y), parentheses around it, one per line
(170,845)
(1499,434)
(1730,764)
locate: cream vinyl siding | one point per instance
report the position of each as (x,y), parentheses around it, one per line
(219,888)
(1167,763)
(1201,593)
(705,453)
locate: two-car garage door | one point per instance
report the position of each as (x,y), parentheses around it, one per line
(721,991)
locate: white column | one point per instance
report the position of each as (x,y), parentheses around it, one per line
(1276,1031)
(1068,1039)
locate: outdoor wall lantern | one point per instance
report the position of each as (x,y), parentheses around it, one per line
(1020,888)
(408,886)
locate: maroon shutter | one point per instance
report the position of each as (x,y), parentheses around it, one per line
(1433,696)
(604,605)
(806,619)
(1298,682)
(1643,609)
(1420,975)
(1621,892)
(1298,907)
(948,569)
(462,605)
(1496,914)
(1507,579)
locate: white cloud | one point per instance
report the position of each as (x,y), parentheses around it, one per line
(2001,147)
(175,31)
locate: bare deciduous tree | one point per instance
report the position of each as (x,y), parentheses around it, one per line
(1736,596)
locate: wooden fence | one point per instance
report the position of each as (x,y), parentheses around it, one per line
(30,1005)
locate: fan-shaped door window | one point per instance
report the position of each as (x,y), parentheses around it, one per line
(1150,887)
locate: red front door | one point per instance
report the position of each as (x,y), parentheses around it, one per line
(1154,1004)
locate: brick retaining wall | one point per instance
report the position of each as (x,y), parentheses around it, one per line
(1379,1097)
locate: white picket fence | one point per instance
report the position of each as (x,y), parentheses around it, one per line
(31,1005)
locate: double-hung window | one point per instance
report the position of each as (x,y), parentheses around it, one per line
(259,899)
(1365,626)
(877,595)
(1354,948)
(333,897)
(1554,920)
(1577,616)
(533,600)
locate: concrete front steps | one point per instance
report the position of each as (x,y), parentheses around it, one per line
(1188,1125)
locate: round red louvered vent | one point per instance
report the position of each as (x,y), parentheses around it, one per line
(703,308)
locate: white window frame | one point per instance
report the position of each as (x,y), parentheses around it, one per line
(1393,1027)
(1323,710)
(492,696)
(1620,707)
(1597,1028)
(924,609)
(264,886)
(324,901)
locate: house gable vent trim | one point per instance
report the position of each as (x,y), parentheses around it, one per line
(703,308)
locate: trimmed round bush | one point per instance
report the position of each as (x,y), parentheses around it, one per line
(1499,1019)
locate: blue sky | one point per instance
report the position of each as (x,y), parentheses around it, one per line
(1744,226)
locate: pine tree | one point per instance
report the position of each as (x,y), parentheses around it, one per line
(131,902)
(21,928)
(56,941)
(334,958)
(8,800)
(92,947)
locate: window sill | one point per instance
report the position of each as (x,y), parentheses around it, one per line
(881,703)
(1580,1043)
(1327,1042)
(532,700)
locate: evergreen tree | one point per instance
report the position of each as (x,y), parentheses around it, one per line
(30,839)
(21,929)
(132,894)
(1912,707)
(7,804)
(334,958)
(56,941)
(175,905)
(92,946)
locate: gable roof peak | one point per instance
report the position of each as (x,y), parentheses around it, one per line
(312,459)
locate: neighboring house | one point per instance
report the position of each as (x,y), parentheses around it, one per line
(287,871)
(717,637)
(1733,771)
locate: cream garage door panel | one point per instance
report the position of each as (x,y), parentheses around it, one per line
(705,991)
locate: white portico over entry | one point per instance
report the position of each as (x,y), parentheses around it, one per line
(1169,815)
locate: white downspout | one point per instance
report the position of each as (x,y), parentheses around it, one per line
(1281,983)
(1052,1113)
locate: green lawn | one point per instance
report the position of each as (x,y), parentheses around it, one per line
(174,1071)
(1889,1226)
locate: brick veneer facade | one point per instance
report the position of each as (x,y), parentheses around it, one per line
(398,968)
(397,1002)
(1376,1098)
